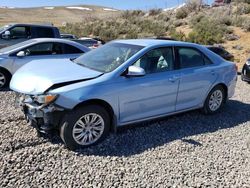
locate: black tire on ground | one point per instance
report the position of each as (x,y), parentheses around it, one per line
(7,77)
(206,108)
(70,119)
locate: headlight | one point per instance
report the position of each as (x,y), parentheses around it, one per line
(248,63)
(45,99)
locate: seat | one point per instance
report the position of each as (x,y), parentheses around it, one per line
(56,49)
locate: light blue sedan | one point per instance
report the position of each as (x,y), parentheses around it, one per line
(123,82)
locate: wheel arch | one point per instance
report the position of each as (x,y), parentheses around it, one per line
(7,75)
(224,86)
(6,70)
(106,106)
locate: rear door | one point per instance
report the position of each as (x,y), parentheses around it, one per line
(197,74)
(42,32)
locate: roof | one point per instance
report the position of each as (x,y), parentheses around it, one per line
(30,42)
(150,42)
(67,41)
(28,24)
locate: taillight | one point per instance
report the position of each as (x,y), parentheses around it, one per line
(236,67)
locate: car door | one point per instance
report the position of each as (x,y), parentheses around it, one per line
(153,94)
(197,75)
(42,32)
(17,34)
(45,50)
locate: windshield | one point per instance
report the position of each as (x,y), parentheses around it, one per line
(108,57)
(15,46)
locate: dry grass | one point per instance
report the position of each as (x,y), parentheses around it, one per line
(240,55)
(244,42)
(57,16)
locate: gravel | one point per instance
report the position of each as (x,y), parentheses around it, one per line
(186,150)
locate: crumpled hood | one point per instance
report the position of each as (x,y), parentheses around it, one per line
(38,76)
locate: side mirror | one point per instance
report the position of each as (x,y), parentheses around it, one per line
(134,71)
(6,35)
(20,54)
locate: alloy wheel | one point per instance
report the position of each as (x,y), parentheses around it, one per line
(2,80)
(88,129)
(215,100)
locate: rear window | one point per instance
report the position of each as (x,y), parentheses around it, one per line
(68,49)
(218,51)
(87,43)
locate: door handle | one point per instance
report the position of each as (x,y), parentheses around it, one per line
(213,72)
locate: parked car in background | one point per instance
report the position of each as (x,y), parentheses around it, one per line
(164,38)
(221,52)
(67,36)
(89,42)
(245,74)
(99,40)
(120,83)
(13,57)
(16,33)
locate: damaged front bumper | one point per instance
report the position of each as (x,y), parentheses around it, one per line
(43,117)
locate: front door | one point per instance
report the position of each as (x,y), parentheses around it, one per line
(17,34)
(153,94)
(47,50)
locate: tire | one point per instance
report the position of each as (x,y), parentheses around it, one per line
(215,100)
(4,78)
(77,131)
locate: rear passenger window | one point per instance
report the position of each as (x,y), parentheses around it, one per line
(68,49)
(190,57)
(42,32)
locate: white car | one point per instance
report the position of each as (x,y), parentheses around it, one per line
(13,57)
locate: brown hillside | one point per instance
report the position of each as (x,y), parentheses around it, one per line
(57,16)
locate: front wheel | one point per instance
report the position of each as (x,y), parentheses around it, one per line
(85,126)
(4,79)
(215,100)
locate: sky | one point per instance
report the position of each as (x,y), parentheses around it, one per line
(118,4)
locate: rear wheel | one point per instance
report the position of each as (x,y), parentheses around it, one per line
(85,126)
(4,78)
(215,100)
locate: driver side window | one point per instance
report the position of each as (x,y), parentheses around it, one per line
(39,49)
(19,32)
(157,60)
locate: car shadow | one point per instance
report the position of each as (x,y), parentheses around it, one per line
(4,89)
(135,139)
